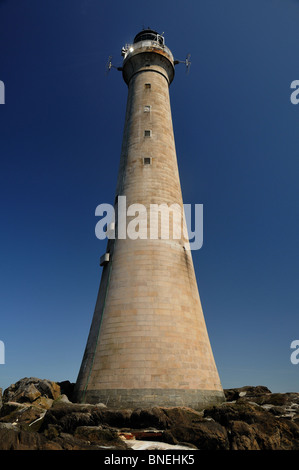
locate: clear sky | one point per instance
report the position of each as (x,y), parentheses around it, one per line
(237,140)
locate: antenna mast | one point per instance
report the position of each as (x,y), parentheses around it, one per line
(187,62)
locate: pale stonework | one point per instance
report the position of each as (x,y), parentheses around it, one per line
(148,343)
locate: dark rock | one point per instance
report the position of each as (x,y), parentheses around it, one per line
(8,436)
(114,418)
(30,389)
(10,411)
(67,417)
(276,399)
(101,435)
(232,394)
(168,438)
(204,435)
(242,436)
(74,442)
(182,415)
(67,388)
(21,414)
(68,442)
(12,438)
(251,427)
(51,432)
(181,425)
(37,415)
(228,412)
(149,418)
(276,410)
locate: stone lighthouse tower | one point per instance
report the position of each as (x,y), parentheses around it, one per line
(148,342)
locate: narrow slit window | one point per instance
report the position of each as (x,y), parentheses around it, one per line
(147,161)
(147,133)
(147,85)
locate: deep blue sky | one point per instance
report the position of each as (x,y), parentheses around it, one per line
(237,139)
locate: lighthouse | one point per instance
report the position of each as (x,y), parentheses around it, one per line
(148,343)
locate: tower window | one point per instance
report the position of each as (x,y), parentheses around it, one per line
(147,133)
(147,108)
(147,161)
(147,85)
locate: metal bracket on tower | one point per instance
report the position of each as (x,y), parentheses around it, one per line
(187,62)
(109,66)
(105,258)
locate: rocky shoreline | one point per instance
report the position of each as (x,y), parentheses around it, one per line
(37,414)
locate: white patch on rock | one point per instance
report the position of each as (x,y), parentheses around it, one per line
(152,445)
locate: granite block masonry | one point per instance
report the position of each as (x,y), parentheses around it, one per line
(148,343)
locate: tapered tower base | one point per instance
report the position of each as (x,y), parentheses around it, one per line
(136,398)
